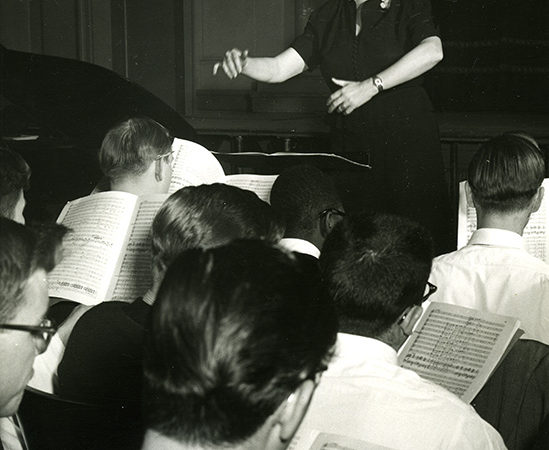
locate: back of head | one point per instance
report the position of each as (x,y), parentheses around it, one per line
(374,267)
(130,147)
(14,179)
(210,215)
(506,172)
(24,250)
(235,330)
(299,195)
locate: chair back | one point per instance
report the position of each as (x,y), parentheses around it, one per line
(515,400)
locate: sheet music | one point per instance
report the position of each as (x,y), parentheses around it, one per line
(535,234)
(193,165)
(260,184)
(91,251)
(457,348)
(134,277)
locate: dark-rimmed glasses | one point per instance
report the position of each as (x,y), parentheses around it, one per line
(430,289)
(168,155)
(335,211)
(42,333)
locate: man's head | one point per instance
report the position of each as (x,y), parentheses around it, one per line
(137,153)
(375,270)
(25,258)
(308,201)
(207,216)
(238,336)
(505,175)
(14,180)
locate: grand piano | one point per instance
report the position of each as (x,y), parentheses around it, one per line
(56,111)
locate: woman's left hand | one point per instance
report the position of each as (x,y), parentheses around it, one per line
(352,95)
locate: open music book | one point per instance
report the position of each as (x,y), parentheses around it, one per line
(107,256)
(194,165)
(458,348)
(536,238)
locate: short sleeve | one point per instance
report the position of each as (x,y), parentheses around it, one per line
(307,44)
(420,21)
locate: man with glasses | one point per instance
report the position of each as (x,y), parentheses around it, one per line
(375,269)
(239,335)
(136,157)
(308,202)
(26,257)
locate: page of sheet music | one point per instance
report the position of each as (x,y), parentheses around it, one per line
(134,277)
(535,234)
(193,165)
(457,348)
(99,225)
(260,184)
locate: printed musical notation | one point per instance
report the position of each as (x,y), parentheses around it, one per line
(457,348)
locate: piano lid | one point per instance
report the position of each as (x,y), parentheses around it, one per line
(78,101)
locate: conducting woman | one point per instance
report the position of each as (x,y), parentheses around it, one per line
(372,54)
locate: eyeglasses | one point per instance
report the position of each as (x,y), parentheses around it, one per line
(430,289)
(335,211)
(168,155)
(41,333)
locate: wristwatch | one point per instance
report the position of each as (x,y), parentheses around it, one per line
(378,83)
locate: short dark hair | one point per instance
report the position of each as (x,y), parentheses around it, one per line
(506,172)
(234,331)
(210,215)
(14,177)
(374,267)
(24,250)
(300,193)
(131,146)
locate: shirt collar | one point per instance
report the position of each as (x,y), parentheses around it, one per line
(496,237)
(300,246)
(354,352)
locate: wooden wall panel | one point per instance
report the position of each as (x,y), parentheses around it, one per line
(15,31)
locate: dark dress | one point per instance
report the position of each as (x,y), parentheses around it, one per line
(396,131)
(102,362)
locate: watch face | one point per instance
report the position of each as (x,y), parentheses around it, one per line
(378,83)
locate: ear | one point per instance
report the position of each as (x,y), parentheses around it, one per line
(469,194)
(328,222)
(409,319)
(538,198)
(294,410)
(158,169)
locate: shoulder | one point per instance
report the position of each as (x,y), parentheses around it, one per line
(445,409)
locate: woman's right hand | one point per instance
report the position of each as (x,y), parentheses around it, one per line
(233,63)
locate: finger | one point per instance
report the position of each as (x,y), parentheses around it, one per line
(245,54)
(237,60)
(348,110)
(334,97)
(335,105)
(228,71)
(340,82)
(216,68)
(229,64)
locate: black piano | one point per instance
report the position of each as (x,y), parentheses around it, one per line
(56,111)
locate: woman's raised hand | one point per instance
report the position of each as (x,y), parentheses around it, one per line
(233,63)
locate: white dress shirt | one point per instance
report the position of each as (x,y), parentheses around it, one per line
(10,435)
(300,246)
(365,395)
(494,273)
